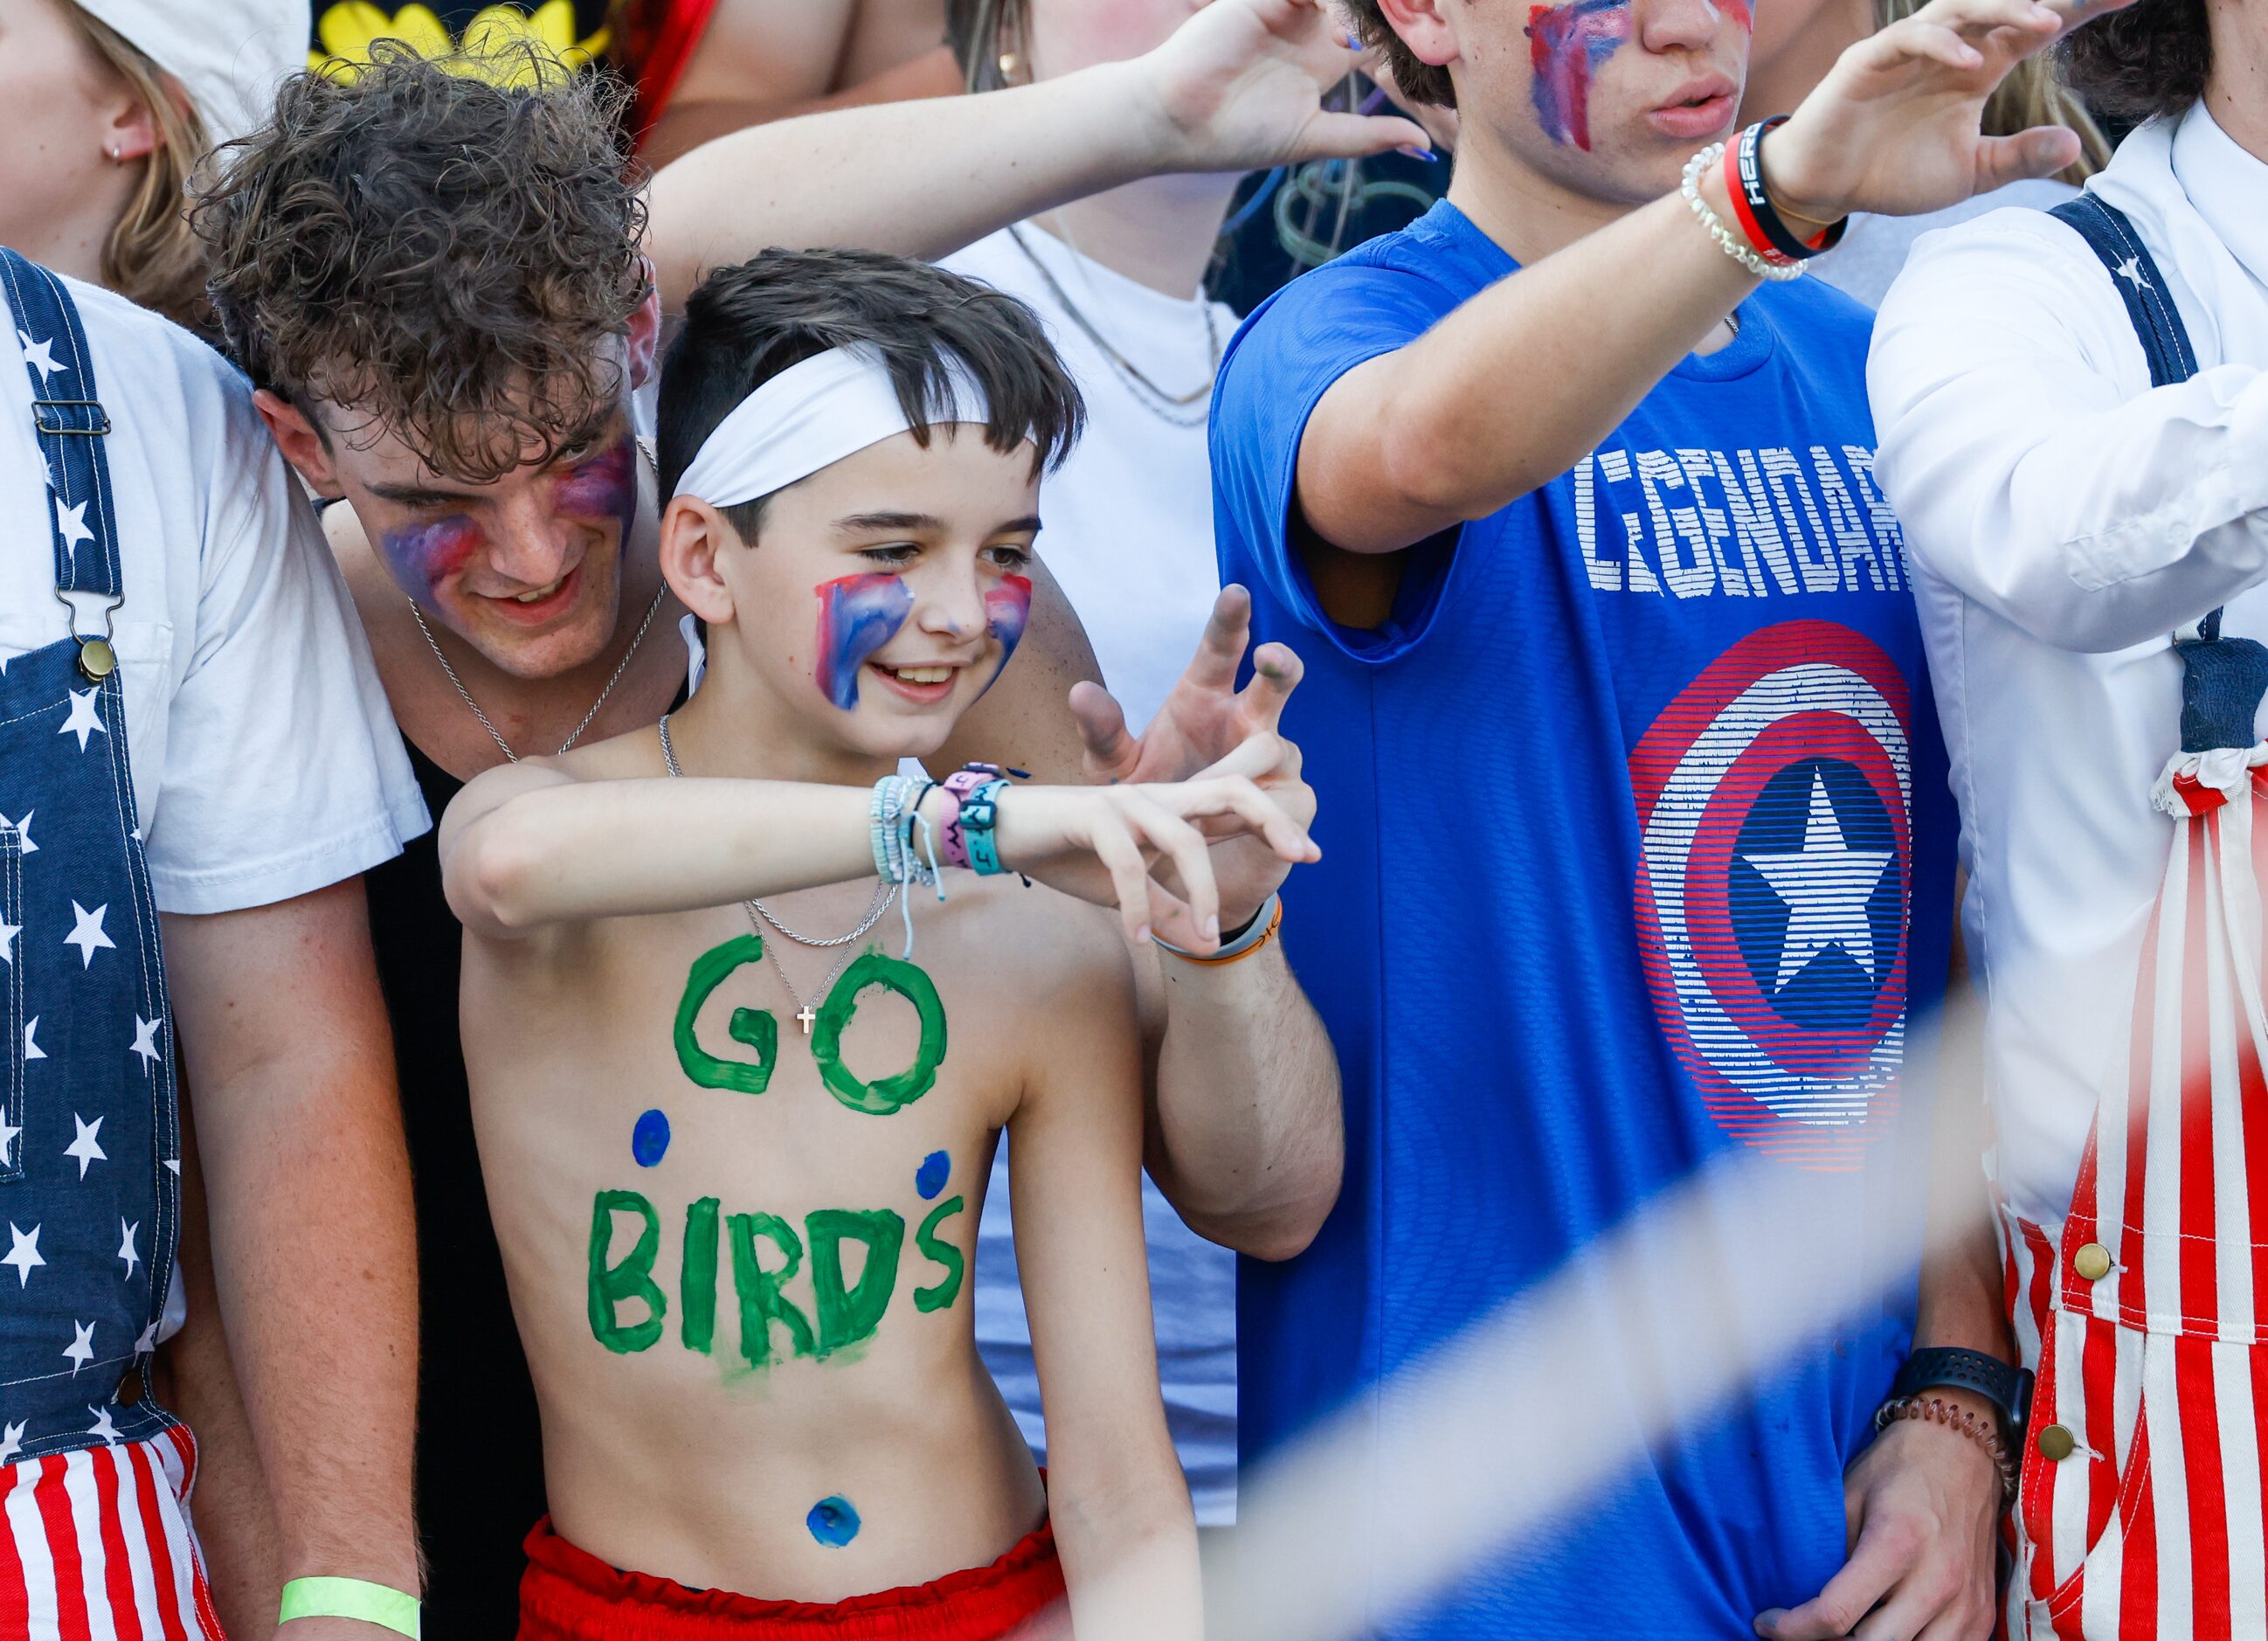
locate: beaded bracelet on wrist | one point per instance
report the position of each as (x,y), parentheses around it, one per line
(1936,1409)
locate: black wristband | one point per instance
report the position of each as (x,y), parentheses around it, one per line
(2007,1389)
(1751,169)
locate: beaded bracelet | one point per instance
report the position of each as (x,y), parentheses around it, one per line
(1779,273)
(1936,1409)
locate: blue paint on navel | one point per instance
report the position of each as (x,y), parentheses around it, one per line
(649,1138)
(833,1522)
(930,1180)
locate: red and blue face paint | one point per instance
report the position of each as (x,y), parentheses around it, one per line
(857,615)
(604,486)
(1567,43)
(424,555)
(1008,608)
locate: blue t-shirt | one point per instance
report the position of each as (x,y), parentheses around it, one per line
(1637,853)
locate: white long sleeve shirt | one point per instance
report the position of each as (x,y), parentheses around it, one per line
(2063,518)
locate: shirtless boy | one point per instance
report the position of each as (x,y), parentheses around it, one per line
(736,1178)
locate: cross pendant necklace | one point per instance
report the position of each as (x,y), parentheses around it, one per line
(806,1014)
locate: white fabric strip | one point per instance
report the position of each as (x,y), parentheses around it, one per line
(810,415)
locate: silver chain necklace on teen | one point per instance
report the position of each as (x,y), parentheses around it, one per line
(1168,408)
(886,895)
(629,655)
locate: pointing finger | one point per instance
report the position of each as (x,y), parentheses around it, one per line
(1276,674)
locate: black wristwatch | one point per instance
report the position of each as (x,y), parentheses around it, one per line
(2009,1389)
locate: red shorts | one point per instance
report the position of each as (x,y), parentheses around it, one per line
(568,1594)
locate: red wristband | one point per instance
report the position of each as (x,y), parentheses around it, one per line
(1743,214)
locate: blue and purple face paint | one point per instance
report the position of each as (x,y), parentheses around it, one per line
(857,615)
(603,487)
(1566,44)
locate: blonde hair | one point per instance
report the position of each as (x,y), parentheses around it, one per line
(151,256)
(2033,94)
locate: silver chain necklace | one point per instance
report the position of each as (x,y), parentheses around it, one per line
(629,655)
(885,896)
(1168,408)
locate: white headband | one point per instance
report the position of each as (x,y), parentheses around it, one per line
(810,415)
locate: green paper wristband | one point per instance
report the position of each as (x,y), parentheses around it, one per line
(351,1598)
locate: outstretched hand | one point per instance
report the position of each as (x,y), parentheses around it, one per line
(1239,87)
(1098,843)
(1893,128)
(1208,725)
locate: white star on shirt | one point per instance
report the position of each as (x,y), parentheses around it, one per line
(8,933)
(148,1341)
(81,1349)
(8,1132)
(71,522)
(23,1253)
(2131,271)
(126,1246)
(40,355)
(32,1050)
(102,1426)
(84,1145)
(1825,886)
(86,933)
(11,1443)
(145,1040)
(23,830)
(84,720)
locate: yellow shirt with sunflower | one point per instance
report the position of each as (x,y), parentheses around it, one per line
(467,37)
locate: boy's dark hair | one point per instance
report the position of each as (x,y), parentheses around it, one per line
(1419,81)
(446,253)
(2150,59)
(747,324)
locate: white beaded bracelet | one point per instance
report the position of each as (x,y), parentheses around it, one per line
(1779,273)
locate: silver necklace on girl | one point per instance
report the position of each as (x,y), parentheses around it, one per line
(504,746)
(885,896)
(1168,408)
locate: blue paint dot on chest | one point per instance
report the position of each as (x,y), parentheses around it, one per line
(649,1138)
(929,1179)
(833,1521)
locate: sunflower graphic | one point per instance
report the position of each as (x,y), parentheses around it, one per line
(487,47)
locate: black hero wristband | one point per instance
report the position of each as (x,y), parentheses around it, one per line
(1749,169)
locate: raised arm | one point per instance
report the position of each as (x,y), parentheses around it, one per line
(1237,88)
(2027,471)
(1512,389)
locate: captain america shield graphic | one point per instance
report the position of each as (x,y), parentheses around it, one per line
(1775,800)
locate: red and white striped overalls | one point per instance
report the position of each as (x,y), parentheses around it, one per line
(2140,1513)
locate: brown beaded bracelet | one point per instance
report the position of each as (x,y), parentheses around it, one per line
(1936,1411)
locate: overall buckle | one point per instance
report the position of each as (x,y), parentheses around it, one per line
(85,417)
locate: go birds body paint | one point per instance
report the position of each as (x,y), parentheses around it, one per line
(1566,44)
(857,615)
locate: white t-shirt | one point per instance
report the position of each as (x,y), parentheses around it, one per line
(1128,533)
(266,764)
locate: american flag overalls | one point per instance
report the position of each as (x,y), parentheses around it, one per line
(94,1475)
(2140,1509)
